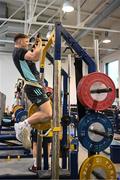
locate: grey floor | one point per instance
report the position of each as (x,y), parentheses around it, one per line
(15,166)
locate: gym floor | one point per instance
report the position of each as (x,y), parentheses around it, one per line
(20,166)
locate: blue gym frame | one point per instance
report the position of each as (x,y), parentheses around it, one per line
(60,31)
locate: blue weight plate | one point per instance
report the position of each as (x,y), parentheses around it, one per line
(16,112)
(92,137)
(22,115)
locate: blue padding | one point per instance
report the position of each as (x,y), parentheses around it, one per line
(7,137)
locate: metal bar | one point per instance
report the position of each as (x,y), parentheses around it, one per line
(6,19)
(66,26)
(90,16)
(61,12)
(100,6)
(102,15)
(104,134)
(56,102)
(101,49)
(43,56)
(101,90)
(78,13)
(39,150)
(44,24)
(64,113)
(96,44)
(26,17)
(45,9)
(32,16)
(79,50)
(69,77)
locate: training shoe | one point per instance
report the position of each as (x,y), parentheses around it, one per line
(33,169)
(23,135)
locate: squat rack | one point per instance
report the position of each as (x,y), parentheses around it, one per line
(60,31)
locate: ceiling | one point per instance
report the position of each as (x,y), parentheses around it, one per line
(89,21)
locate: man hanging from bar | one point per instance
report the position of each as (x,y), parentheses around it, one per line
(24,61)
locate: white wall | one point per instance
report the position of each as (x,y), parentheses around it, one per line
(8,77)
(49,77)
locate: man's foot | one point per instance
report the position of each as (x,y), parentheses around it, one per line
(23,135)
(33,169)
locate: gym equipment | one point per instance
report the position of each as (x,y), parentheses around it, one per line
(16,107)
(21,115)
(96,163)
(18,110)
(114,153)
(34,108)
(96,91)
(95,132)
(7,122)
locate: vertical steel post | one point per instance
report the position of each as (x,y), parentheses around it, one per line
(96,45)
(56,103)
(39,150)
(69,76)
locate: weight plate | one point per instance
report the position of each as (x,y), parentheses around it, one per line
(100,83)
(15,108)
(21,116)
(95,132)
(96,163)
(17,111)
(34,108)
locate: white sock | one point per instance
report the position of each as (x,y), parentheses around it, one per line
(25,123)
(35,162)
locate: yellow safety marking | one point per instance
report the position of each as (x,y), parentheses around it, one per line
(15,108)
(94,162)
(41,65)
(56,129)
(72,147)
(45,48)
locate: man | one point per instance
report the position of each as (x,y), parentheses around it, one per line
(24,61)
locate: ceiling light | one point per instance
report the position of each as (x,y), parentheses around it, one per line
(67,6)
(48,34)
(107,39)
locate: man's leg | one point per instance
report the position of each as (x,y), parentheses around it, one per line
(33,168)
(37,96)
(43,115)
(23,128)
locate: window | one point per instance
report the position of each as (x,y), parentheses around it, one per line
(112,71)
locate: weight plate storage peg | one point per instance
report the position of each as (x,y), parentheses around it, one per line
(95,132)
(99,165)
(96,91)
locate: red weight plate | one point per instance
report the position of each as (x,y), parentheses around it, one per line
(96,81)
(80,95)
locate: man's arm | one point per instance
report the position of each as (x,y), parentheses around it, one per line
(35,55)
